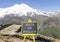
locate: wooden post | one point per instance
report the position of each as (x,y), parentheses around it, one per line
(33,38)
(24,39)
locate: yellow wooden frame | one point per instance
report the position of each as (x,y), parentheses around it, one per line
(33,35)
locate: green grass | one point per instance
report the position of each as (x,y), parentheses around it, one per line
(51,32)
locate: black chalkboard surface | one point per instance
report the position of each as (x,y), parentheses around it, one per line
(29,28)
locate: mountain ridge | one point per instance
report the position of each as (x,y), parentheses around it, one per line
(21,9)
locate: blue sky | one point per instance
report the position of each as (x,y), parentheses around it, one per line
(45,5)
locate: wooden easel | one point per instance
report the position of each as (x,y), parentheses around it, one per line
(32,35)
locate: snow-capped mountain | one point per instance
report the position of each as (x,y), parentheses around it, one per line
(20,9)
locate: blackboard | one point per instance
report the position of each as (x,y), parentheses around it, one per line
(29,28)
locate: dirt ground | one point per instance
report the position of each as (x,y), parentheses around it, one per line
(12,39)
(11,30)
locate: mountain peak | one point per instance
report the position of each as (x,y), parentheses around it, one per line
(16,9)
(19,9)
(22,4)
(22,8)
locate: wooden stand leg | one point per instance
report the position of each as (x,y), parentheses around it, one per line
(24,39)
(34,38)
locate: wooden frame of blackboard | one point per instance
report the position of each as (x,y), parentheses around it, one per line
(27,22)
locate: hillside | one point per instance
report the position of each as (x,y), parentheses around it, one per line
(48,22)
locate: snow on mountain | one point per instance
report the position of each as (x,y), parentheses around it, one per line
(20,9)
